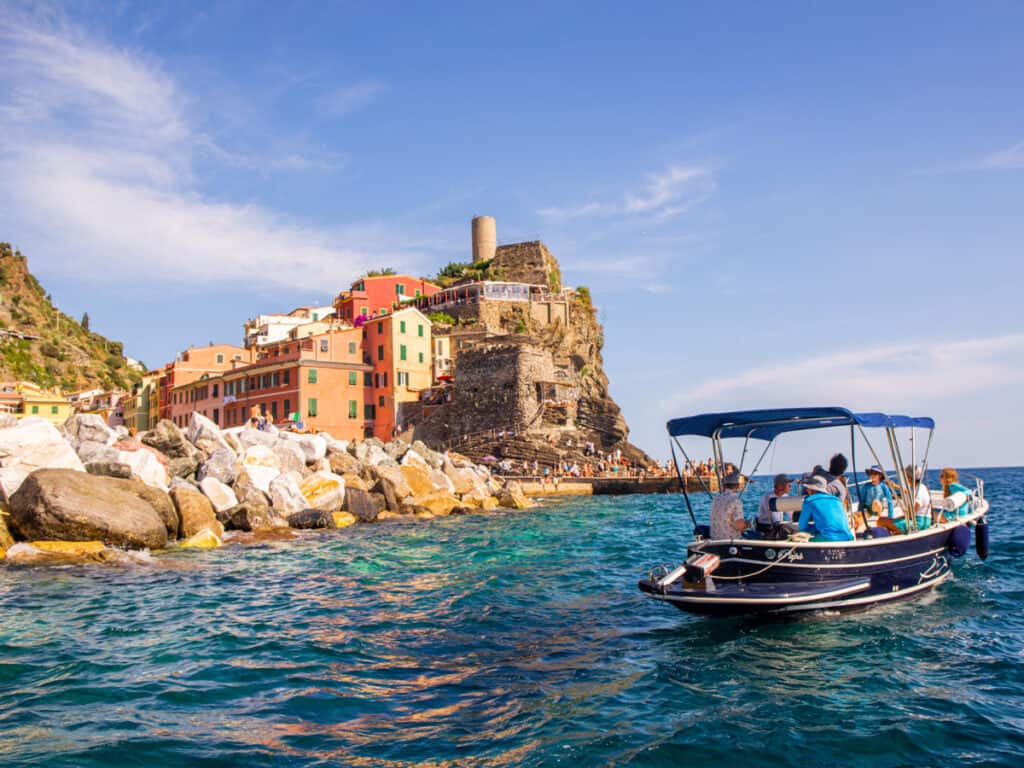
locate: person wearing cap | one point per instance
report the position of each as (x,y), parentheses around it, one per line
(727,521)
(876,496)
(823,514)
(769,519)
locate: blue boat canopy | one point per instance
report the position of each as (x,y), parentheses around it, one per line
(767,424)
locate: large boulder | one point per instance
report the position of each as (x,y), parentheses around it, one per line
(260,465)
(441,480)
(286,495)
(334,446)
(248,492)
(377,456)
(82,428)
(167,438)
(323,490)
(109,469)
(394,476)
(361,505)
(313,447)
(433,458)
(221,496)
(385,489)
(221,464)
(33,443)
(464,479)
(201,428)
(513,497)
(68,505)
(289,455)
(253,517)
(195,513)
(251,436)
(418,480)
(6,540)
(311,519)
(144,462)
(440,503)
(161,503)
(414,459)
(343,463)
(396,449)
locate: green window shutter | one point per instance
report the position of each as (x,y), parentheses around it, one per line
(311,407)
(380,351)
(35,409)
(352,378)
(53,409)
(364,311)
(401,326)
(401,352)
(419,330)
(312,376)
(351,347)
(421,357)
(353,409)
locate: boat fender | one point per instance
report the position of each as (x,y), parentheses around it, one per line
(981,538)
(959,540)
(954,501)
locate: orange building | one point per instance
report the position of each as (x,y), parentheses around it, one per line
(398,347)
(316,382)
(376,296)
(191,365)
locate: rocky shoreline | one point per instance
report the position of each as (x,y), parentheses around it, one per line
(88,492)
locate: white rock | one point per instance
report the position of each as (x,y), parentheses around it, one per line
(201,428)
(219,494)
(441,480)
(88,428)
(290,455)
(334,446)
(285,494)
(413,459)
(146,467)
(377,455)
(323,465)
(249,437)
(222,464)
(323,490)
(314,447)
(32,444)
(261,464)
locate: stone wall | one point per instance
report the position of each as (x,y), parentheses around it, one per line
(529,262)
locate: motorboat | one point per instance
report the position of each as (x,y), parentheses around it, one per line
(795,574)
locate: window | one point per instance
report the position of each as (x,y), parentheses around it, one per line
(216,388)
(417,293)
(273,411)
(403,378)
(384,379)
(401,326)
(380,351)
(419,330)
(351,347)
(287,408)
(459,344)
(353,409)
(220,359)
(216,415)
(421,357)
(367,379)
(53,409)
(380,400)
(352,378)
(35,409)
(399,289)
(275,380)
(316,316)
(311,378)
(287,377)
(369,412)
(401,352)
(376,380)
(311,407)
(380,328)
(364,311)
(323,345)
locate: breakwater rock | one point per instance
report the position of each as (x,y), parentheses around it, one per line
(91,484)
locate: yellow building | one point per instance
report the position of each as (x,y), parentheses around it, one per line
(141,405)
(24,398)
(399,349)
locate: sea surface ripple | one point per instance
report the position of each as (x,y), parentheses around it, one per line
(514,638)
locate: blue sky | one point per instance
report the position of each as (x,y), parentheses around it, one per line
(772,203)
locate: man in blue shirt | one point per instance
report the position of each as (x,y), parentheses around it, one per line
(876,496)
(823,514)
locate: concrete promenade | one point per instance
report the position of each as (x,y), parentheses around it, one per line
(609,486)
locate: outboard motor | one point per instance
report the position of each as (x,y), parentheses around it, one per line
(959,541)
(981,538)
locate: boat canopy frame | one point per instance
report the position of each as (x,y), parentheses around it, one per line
(767,424)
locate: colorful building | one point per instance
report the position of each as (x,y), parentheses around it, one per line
(270,329)
(398,346)
(380,295)
(191,365)
(23,398)
(142,403)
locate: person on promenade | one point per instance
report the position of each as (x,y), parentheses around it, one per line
(950,485)
(823,514)
(771,522)
(727,521)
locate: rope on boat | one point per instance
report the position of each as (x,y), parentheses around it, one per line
(767,568)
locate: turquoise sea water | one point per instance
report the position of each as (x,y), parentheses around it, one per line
(503,639)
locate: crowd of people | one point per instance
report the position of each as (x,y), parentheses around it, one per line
(829,511)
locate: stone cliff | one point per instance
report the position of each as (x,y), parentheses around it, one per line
(529,380)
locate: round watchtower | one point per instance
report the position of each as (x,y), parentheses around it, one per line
(485,238)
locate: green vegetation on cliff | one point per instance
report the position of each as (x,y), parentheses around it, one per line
(57,350)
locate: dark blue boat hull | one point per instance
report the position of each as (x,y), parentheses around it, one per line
(758,577)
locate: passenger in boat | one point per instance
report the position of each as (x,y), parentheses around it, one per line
(876,496)
(772,522)
(921,506)
(836,477)
(950,485)
(823,514)
(727,521)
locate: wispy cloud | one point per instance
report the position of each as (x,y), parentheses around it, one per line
(1005,159)
(666,194)
(898,376)
(99,153)
(349,98)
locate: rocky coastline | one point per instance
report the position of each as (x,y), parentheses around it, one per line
(89,492)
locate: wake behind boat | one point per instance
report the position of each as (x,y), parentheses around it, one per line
(788,573)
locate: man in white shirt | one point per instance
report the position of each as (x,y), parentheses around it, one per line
(727,521)
(769,519)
